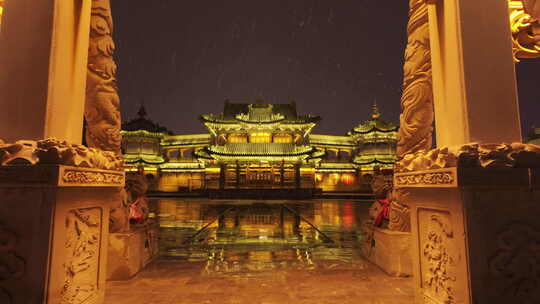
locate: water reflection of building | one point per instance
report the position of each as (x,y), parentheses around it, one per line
(231,234)
(258,146)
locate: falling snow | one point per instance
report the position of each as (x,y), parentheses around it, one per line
(184,58)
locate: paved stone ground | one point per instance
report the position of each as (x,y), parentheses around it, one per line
(178,282)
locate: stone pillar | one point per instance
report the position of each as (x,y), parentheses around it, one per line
(222,176)
(43,55)
(237,175)
(282,174)
(54,227)
(474,81)
(297,177)
(474,206)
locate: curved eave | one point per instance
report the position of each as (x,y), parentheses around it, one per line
(216,155)
(142,133)
(142,159)
(259,158)
(203,154)
(206,119)
(308,152)
(307,121)
(374,161)
(373,129)
(248,121)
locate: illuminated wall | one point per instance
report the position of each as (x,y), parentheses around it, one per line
(283,138)
(260,137)
(238,138)
(181,181)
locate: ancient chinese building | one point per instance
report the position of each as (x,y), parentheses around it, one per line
(258,146)
(376,140)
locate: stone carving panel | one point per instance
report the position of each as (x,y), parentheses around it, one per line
(426,179)
(517,263)
(81,177)
(416,119)
(12,266)
(81,267)
(437,260)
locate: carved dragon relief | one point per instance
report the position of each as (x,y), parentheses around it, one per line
(514,155)
(102,108)
(81,267)
(416,119)
(12,266)
(525,26)
(53,151)
(417,115)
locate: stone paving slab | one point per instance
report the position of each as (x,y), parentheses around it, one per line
(179,282)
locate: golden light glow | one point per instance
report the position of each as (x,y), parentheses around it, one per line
(213,170)
(283,138)
(238,138)
(260,137)
(334,178)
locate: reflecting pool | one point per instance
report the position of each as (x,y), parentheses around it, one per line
(242,236)
(260,252)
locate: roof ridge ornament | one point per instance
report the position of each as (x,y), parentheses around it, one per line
(376,113)
(142,111)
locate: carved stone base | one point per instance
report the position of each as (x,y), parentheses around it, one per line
(390,250)
(476,234)
(53,232)
(130,252)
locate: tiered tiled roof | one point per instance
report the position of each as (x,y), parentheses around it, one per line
(374,124)
(143,123)
(273,149)
(187,140)
(143,158)
(259,113)
(331,140)
(258,151)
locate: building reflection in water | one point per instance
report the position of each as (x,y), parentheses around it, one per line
(246,236)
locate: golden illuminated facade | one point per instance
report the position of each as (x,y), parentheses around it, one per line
(257,146)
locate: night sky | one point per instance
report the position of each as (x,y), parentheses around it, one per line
(334,58)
